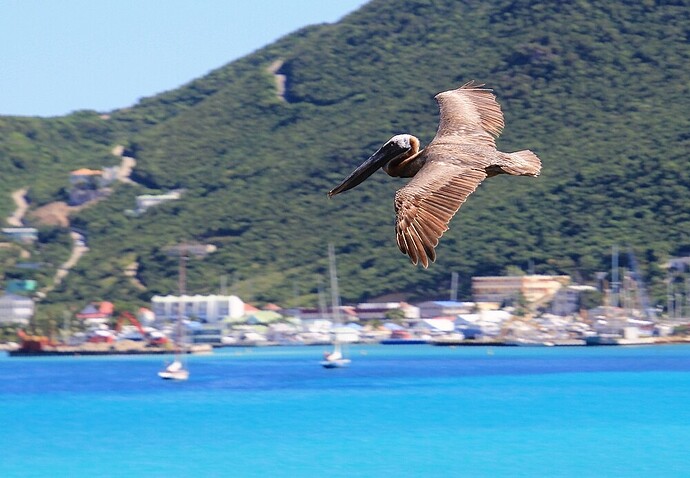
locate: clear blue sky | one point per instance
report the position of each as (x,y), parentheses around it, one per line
(57,56)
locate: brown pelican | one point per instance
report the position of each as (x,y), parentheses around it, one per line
(462,154)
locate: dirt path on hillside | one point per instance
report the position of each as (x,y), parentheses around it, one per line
(17,217)
(78,249)
(126,166)
(131,272)
(280,79)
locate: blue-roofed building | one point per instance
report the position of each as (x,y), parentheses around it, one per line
(442,308)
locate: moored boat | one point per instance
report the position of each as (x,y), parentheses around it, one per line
(335,359)
(174,371)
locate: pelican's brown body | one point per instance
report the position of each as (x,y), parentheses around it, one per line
(462,154)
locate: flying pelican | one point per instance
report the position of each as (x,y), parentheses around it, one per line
(462,154)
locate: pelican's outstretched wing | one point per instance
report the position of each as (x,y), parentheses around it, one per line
(425,206)
(470,113)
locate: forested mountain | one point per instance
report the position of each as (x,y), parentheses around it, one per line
(599,89)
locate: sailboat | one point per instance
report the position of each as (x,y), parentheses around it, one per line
(176,369)
(334,359)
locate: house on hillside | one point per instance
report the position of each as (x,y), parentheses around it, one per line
(85,176)
(26,235)
(21,286)
(16,309)
(146,201)
(85,185)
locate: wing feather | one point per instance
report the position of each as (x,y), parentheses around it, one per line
(471,113)
(425,206)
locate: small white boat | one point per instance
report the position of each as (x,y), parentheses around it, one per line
(335,359)
(174,371)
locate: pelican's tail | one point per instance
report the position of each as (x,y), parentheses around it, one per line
(522,163)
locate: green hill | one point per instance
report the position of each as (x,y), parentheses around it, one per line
(598,89)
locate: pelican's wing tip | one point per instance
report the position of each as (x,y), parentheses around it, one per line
(468,85)
(474,85)
(415,248)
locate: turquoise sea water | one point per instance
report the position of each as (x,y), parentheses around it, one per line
(406,411)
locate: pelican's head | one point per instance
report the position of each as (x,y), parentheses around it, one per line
(403,141)
(399,145)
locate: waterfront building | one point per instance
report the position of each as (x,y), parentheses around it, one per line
(441,325)
(566,301)
(310,314)
(262,317)
(441,308)
(485,323)
(97,313)
(381,310)
(145,316)
(16,309)
(345,334)
(207,334)
(205,308)
(536,289)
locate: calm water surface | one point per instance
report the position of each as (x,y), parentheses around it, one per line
(396,411)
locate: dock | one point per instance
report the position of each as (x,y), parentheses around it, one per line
(120,348)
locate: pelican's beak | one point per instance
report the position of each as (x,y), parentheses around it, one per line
(380,158)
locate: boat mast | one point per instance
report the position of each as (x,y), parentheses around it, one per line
(184,251)
(454,286)
(181,286)
(615,286)
(335,296)
(335,358)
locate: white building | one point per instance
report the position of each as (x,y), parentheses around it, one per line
(146,201)
(436,325)
(26,235)
(484,323)
(206,308)
(380,310)
(16,309)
